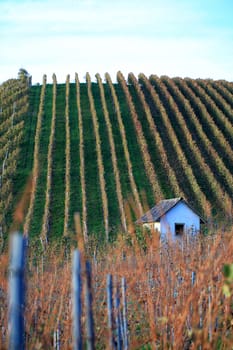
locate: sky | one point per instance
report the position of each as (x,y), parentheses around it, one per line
(185,38)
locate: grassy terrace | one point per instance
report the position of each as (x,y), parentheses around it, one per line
(75,190)
(58,172)
(94,202)
(43,155)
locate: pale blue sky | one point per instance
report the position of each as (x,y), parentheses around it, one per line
(186,38)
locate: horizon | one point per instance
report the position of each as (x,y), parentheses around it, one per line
(172,38)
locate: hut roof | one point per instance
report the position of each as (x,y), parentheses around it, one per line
(155,213)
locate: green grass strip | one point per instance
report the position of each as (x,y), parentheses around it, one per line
(36,223)
(75,189)
(58,172)
(95,220)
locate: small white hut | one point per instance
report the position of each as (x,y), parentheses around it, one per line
(174,216)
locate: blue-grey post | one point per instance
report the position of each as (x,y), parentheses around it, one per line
(117,318)
(56,338)
(110,311)
(89,312)
(77,302)
(17,292)
(209,312)
(125,323)
(193,277)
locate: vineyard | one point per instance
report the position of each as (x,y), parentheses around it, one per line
(80,162)
(109,151)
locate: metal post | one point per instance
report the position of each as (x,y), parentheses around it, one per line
(110,311)
(77,303)
(193,277)
(125,323)
(209,313)
(89,313)
(117,318)
(17,288)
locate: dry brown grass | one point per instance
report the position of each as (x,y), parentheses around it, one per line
(164,308)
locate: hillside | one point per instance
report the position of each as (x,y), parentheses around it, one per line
(110,151)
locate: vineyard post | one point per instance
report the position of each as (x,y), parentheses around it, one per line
(89,312)
(193,277)
(110,311)
(77,304)
(200,311)
(125,324)
(17,292)
(117,316)
(209,313)
(56,339)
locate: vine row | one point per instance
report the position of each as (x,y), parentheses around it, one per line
(113,153)
(35,171)
(224,92)
(13,104)
(213,184)
(221,120)
(202,111)
(67,155)
(186,168)
(157,139)
(220,102)
(125,145)
(212,153)
(142,141)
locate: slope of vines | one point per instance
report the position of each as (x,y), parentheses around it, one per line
(171,186)
(180,161)
(191,149)
(111,150)
(13,107)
